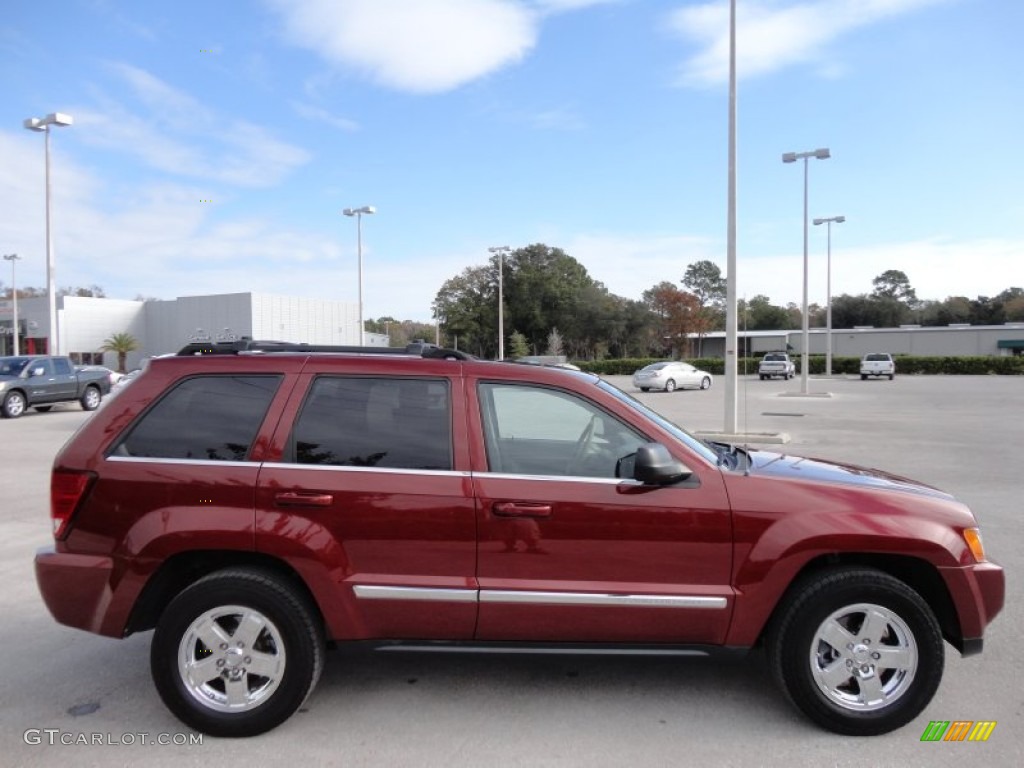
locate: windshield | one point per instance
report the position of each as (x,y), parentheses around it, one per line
(12,366)
(877,358)
(691,442)
(775,357)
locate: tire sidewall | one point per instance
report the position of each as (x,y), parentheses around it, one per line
(795,668)
(10,413)
(299,637)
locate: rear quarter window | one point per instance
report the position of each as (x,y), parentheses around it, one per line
(210,418)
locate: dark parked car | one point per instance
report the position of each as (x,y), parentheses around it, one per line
(40,382)
(252,507)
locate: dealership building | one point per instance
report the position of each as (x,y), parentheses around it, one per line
(159,327)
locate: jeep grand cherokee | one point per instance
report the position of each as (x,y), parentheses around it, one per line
(253,506)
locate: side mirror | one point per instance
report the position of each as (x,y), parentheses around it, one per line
(39,371)
(654,465)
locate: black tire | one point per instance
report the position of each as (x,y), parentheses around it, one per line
(44,408)
(645,389)
(762,376)
(705,383)
(91,398)
(670,385)
(838,603)
(863,377)
(14,405)
(892,376)
(287,636)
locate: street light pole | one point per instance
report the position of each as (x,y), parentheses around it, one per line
(792,157)
(358,213)
(828,290)
(501,250)
(13,257)
(43,124)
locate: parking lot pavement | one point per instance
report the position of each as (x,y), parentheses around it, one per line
(963,434)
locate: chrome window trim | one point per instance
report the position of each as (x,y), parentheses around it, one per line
(422,594)
(185,462)
(533,597)
(370,470)
(560,478)
(588,598)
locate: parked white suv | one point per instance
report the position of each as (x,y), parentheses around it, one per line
(877,364)
(776,364)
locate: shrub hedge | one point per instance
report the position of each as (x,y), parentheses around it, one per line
(905,364)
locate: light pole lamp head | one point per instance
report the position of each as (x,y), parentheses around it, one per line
(822,154)
(789,157)
(42,123)
(839,219)
(357,211)
(11,257)
(499,249)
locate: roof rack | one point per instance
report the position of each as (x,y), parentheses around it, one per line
(422,349)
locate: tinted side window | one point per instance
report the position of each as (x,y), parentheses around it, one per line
(214,418)
(540,431)
(375,422)
(61,366)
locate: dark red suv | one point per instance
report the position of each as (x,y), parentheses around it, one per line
(253,506)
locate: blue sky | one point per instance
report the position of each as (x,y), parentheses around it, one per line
(215,144)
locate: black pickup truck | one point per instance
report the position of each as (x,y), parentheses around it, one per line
(40,382)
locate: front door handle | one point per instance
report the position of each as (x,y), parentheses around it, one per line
(521,509)
(292,499)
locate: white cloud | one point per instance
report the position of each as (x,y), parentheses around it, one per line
(773,34)
(426,47)
(172,132)
(311,112)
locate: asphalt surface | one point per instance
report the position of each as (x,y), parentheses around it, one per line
(963,434)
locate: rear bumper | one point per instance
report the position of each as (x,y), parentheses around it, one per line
(77,590)
(978,592)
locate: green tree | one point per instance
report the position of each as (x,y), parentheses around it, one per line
(705,281)
(518,346)
(121,344)
(894,284)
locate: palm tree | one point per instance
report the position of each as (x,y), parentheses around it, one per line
(122,344)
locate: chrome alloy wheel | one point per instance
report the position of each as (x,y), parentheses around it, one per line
(863,657)
(231,659)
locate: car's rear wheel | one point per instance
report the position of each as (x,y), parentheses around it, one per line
(670,385)
(14,405)
(645,389)
(236,653)
(857,651)
(44,408)
(705,383)
(863,377)
(90,399)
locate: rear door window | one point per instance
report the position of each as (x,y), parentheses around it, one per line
(208,418)
(396,423)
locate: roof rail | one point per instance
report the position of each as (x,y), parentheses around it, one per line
(421,349)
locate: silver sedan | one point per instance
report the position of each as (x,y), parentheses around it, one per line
(670,376)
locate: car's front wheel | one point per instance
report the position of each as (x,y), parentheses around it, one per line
(670,385)
(858,651)
(236,653)
(705,383)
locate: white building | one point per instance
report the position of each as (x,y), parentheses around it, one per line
(940,341)
(160,327)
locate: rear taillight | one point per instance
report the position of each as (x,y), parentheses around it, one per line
(67,489)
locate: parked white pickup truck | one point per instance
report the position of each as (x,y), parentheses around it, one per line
(877,364)
(776,364)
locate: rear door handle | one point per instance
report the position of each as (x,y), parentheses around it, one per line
(292,499)
(521,509)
